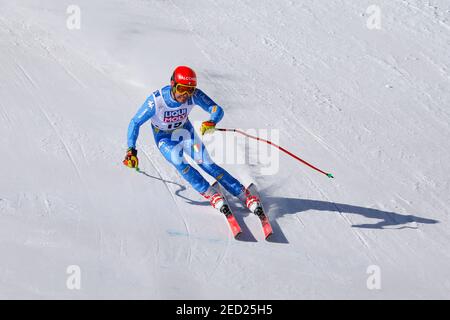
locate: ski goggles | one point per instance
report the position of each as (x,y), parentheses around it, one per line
(184,89)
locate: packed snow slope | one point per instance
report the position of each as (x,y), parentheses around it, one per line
(369,105)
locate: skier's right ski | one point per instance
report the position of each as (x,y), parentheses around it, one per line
(234,225)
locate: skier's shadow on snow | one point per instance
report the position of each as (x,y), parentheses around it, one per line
(278,207)
(178,192)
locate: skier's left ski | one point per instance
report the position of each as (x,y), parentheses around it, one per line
(261,213)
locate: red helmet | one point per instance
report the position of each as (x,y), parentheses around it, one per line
(184,75)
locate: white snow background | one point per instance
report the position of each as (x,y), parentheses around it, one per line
(371,105)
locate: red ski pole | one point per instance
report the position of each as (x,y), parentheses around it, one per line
(329,175)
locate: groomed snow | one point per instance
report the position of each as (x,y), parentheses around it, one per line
(369,105)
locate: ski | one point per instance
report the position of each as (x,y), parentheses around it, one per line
(232,222)
(261,213)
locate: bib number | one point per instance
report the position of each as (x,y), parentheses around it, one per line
(173,126)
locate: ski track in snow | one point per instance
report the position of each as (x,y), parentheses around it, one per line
(433,18)
(180,211)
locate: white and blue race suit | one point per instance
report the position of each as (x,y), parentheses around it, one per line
(175,136)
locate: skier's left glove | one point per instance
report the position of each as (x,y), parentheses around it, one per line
(207,127)
(131,160)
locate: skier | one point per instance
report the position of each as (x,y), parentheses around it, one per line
(168,109)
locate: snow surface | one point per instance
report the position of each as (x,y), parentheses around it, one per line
(371,106)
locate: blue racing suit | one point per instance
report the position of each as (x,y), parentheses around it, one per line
(173,144)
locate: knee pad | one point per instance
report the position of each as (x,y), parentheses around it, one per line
(213,170)
(193,177)
(231,184)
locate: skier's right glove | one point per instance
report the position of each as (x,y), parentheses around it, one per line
(131,160)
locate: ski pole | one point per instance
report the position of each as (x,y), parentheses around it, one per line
(329,175)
